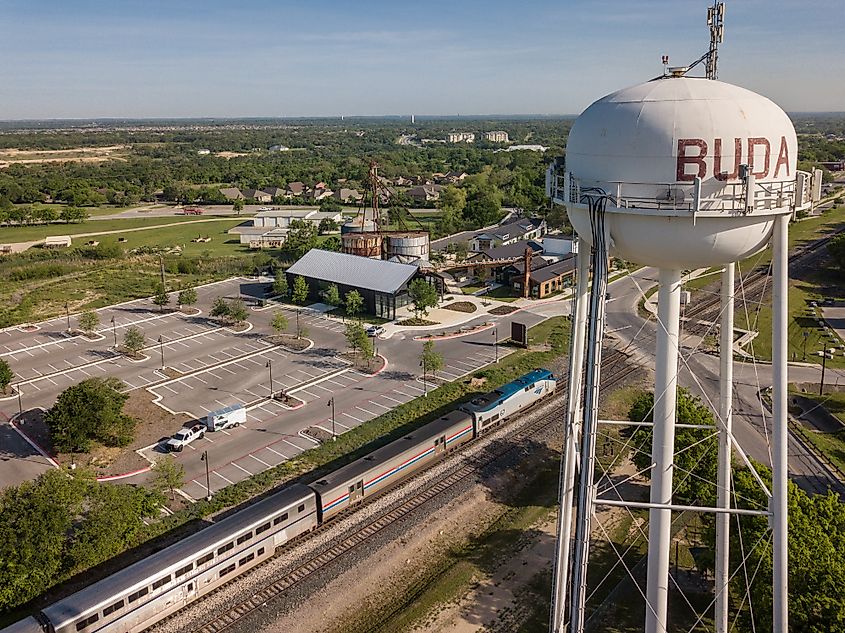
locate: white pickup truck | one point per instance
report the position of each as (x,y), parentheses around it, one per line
(185,436)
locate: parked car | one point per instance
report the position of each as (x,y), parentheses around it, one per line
(185,436)
(375,330)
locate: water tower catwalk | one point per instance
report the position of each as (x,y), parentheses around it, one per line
(676,173)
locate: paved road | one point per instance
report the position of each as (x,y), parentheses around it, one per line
(700,373)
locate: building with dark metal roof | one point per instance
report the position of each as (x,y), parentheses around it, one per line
(382,284)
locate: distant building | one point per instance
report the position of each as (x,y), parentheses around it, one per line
(460,137)
(836,165)
(424,193)
(57,241)
(346,195)
(269,229)
(203,152)
(547,279)
(505,234)
(498,136)
(295,188)
(320,193)
(258,195)
(232,193)
(275,192)
(529,148)
(279,148)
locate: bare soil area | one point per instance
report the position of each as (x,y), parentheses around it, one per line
(78,155)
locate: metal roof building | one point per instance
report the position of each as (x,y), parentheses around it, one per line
(382,284)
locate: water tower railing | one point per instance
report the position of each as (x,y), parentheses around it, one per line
(674,196)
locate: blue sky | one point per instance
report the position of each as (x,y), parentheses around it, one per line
(183,58)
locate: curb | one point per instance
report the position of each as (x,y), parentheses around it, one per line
(456,334)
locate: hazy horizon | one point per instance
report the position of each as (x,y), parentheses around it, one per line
(131,60)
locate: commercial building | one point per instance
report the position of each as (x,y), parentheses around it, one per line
(382,284)
(268,229)
(460,137)
(545,279)
(499,136)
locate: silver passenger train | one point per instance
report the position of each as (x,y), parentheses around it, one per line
(148,591)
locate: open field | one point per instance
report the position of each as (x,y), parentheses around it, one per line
(78,155)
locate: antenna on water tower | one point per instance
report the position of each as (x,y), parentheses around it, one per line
(716,22)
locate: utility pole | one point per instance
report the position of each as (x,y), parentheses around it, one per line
(161,349)
(269,366)
(331,404)
(204,458)
(825,354)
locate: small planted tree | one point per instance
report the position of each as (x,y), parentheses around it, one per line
(331,295)
(238,312)
(357,339)
(354,303)
(219,309)
(88,321)
(300,290)
(6,375)
(423,295)
(187,297)
(279,322)
(280,284)
(161,298)
(168,474)
(431,360)
(238,205)
(134,340)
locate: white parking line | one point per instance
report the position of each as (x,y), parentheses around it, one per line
(414,387)
(298,448)
(359,421)
(276,452)
(260,460)
(365,411)
(236,465)
(379,405)
(323,388)
(194,481)
(223,478)
(386,397)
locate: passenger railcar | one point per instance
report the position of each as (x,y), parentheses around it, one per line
(491,409)
(140,595)
(27,625)
(392,463)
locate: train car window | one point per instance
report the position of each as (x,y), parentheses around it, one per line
(526,389)
(190,586)
(278,520)
(260,551)
(246,559)
(184,570)
(225,548)
(138,594)
(262,528)
(493,418)
(87,622)
(351,489)
(112,608)
(205,559)
(228,569)
(244,538)
(161,582)
(301,508)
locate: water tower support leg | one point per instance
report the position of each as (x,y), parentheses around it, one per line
(663,448)
(723,491)
(780,470)
(572,429)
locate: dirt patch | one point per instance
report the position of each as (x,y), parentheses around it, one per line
(230,154)
(364,365)
(76,154)
(461,306)
(289,341)
(499,310)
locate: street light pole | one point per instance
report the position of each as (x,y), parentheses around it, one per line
(825,356)
(114,331)
(804,353)
(297,324)
(269,366)
(204,458)
(161,349)
(331,404)
(496,342)
(20,403)
(67,314)
(424,365)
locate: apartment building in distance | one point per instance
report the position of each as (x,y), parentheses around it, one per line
(498,136)
(460,137)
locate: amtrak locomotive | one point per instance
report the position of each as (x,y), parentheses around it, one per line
(148,591)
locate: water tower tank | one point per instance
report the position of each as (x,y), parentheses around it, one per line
(671,155)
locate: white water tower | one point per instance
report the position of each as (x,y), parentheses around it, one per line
(677,173)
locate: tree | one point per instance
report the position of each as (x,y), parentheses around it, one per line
(836,249)
(695,450)
(423,295)
(134,340)
(431,360)
(238,312)
(238,205)
(88,321)
(6,375)
(187,297)
(280,284)
(161,298)
(331,295)
(484,208)
(327,225)
(357,339)
(168,474)
(219,309)
(279,322)
(300,290)
(354,303)
(90,410)
(302,237)
(332,243)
